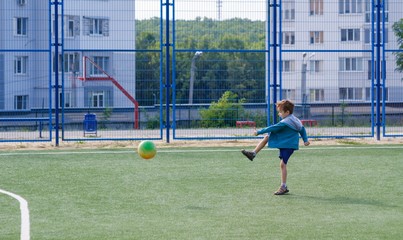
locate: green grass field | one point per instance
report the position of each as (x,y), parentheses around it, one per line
(351,192)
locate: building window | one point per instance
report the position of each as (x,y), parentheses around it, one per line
(20,65)
(350,64)
(288,65)
(316,37)
(368,9)
(20,102)
(96,26)
(288,10)
(21,2)
(288,94)
(315,66)
(97,98)
(368,34)
(66,101)
(20,26)
(317,95)
(54,27)
(350,6)
(102,64)
(370,69)
(316,7)
(71,26)
(288,38)
(350,35)
(351,94)
(70,62)
(368,94)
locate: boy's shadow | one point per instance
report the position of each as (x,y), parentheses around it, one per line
(343,200)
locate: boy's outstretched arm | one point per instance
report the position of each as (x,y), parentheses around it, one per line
(304,136)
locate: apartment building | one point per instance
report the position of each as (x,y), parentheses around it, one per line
(97,30)
(337,38)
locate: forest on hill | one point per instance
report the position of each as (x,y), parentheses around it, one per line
(232,59)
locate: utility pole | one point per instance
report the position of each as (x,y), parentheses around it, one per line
(219,6)
(304,96)
(192,75)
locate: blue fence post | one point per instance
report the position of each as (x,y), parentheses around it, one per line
(49,70)
(378,70)
(161,118)
(275,45)
(62,70)
(173,72)
(383,71)
(267,64)
(56,64)
(167,68)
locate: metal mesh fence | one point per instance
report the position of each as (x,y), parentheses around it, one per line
(114,71)
(24,73)
(126,70)
(323,66)
(392,96)
(220,76)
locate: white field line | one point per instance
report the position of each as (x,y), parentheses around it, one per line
(25,225)
(184,150)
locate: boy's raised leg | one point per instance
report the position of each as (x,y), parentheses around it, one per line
(252,154)
(261,144)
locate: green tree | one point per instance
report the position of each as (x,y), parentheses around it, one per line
(230,68)
(223,113)
(398,29)
(147,69)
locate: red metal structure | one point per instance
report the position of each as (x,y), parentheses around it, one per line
(113,80)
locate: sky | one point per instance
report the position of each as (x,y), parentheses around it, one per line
(190,9)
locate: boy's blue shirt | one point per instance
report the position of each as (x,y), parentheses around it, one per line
(285,134)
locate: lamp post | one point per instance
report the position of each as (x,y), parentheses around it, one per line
(304,96)
(192,75)
(155,99)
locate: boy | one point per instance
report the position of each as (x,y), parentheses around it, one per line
(285,136)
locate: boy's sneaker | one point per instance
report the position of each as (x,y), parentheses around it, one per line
(250,155)
(281,191)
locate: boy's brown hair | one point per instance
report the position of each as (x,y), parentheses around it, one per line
(286,105)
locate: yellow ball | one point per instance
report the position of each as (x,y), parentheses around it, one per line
(147,149)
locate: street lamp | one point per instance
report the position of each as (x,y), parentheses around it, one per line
(192,75)
(155,99)
(304,96)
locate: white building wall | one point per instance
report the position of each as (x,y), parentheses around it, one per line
(331,79)
(15,84)
(35,83)
(120,37)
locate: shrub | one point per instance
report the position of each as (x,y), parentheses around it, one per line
(223,113)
